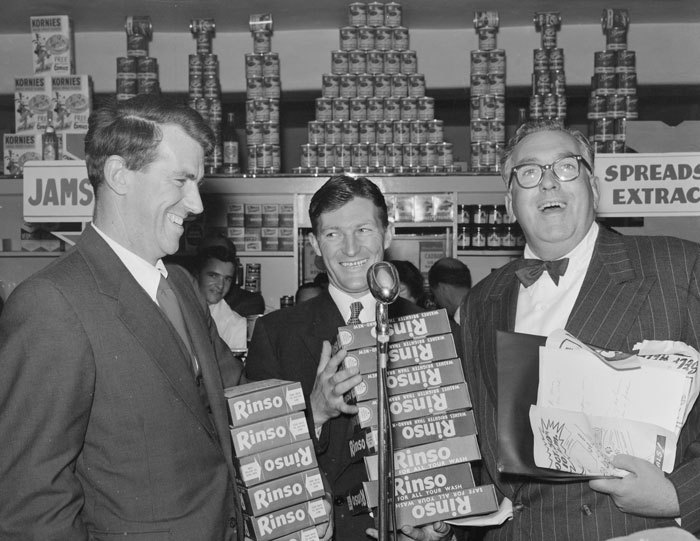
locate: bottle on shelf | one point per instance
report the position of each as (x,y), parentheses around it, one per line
(49,141)
(230,146)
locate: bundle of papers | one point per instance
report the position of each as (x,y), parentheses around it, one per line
(594,404)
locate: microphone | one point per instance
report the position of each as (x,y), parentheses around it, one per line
(383,281)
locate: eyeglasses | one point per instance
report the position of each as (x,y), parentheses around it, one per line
(566,169)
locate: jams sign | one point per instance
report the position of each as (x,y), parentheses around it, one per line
(664,184)
(57,191)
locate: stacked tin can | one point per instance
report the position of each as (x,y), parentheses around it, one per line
(204,86)
(262,72)
(613,98)
(373,114)
(137,73)
(487,89)
(548,95)
(487,227)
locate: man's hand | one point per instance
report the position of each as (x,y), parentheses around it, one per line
(645,491)
(437,531)
(325,530)
(330,385)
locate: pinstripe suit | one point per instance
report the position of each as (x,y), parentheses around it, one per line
(635,288)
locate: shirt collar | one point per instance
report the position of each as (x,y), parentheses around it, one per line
(343,301)
(583,249)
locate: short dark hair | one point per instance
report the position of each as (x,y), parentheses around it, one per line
(540,125)
(449,270)
(305,286)
(132,129)
(340,190)
(411,276)
(220,248)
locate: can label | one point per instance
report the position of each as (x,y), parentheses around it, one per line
(626,61)
(392,14)
(604,61)
(385,132)
(445,156)
(351,132)
(556,59)
(479,130)
(357,62)
(541,82)
(365,38)
(339,62)
(416,85)
(348,38)
(487,38)
(271,65)
(616,39)
(497,61)
(343,155)
(392,62)
(262,41)
(497,83)
(341,109)
(605,83)
(359,155)
(358,109)
(479,84)
(411,155)
(136,45)
(426,108)
(375,156)
(375,62)
(127,65)
(399,38)
(375,109)
(392,109)
(485,19)
(367,131)
(435,131)
(272,87)
(409,63)
(330,85)
(254,134)
(324,109)
(348,85)
(382,85)
(419,131)
(326,155)
(253,65)
(203,42)
(270,133)
(479,62)
(627,82)
(334,132)
(402,131)
(316,131)
(409,109)
(383,38)
(309,157)
(375,13)
(254,87)
(357,14)
(632,112)
(399,85)
(365,85)
(393,155)
(549,37)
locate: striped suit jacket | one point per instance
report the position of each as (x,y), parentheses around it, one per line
(635,288)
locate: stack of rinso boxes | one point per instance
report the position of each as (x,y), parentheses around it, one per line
(373,115)
(263,88)
(432,423)
(204,86)
(281,487)
(613,97)
(548,97)
(137,72)
(53,95)
(487,91)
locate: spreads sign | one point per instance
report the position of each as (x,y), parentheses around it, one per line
(57,191)
(664,184)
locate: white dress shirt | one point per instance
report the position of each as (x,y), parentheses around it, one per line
(343,301)
(231,326)
(544,306)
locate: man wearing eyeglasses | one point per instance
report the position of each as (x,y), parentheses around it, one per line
(608,290)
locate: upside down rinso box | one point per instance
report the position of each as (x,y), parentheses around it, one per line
(275,463)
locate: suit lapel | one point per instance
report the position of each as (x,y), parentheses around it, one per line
(325,319)
(611,294)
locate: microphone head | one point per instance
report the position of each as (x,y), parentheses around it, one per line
(383,281)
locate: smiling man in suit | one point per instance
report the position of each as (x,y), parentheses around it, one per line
(350,231)
(113,416)
(607,289)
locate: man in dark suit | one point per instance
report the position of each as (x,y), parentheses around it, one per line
(350,231)
(615,291)
(113,416)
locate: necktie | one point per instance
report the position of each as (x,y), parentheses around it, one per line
(171,308)
(529,270)
(355,309)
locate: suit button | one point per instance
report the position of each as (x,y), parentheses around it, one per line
(232,522)
(586,510)
(518,506)
(339,500)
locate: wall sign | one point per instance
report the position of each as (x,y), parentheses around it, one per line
(57,191)
(661,184)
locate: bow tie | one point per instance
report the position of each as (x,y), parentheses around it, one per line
(529,270)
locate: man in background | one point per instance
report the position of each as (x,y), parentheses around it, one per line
(113,417)
(450,281)
(608,290)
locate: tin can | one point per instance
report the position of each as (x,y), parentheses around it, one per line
(351,132)
(348,85)
(409,63)
(479,130)
(615,105)
(500,113)
(374,62)
(632,112)
(418,131)
(203,42)
(273,105)
(540,59)
(375,155)
(614,147)
(357,62)
(445,156)
(326,155)
(270,133)
(620,129)
(253,65)
(210,64)
(341,109)
(382,85)
(435,129)
(392,109)
(348,38)
(604,61)
(333,132)
(309,156)
(486,106)
(558,81)
(561,106)
(317,132)
(375,109)
(254,133)
(271,65)
(254,87)
(605,83)
(375,14)
(339,62)
(549,37)
(487,38)
(536,106)
(365,38)
(402,131)
(138,25)
(324,109)
(410,155)
(399,38)
(195,88)
(616,39)
(392,62)
(546,18)
(358,109)
(479,85)
(597,107)
(409,109)
(488,154)
(272,87)
(330,85)
(597,146)
(264,155)
(497,83)
(475,156)
(360,155)
(198,26)
(479,62)
(393,13)
(147,64)
(425,108)
(627,83)
(428,155)
(251,155)
(262,41)
(257,110)
(127,86)
(497,130)
(343,156)
(385,132)
(136,45)
(485,19)
(626,61)
(126,67)
(603,129)
(399,85)
(416,85)
(541,82)
(357,14)
(365,85)
(393,155)
(497,62)
(367,131)
(149,86)
(383,36)
(614,18)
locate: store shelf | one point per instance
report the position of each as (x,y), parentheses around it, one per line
(491,253)
(423,225)
(265,254)
(31,254)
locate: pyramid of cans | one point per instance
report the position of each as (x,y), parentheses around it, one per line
(279,482)
(431,419)
(204,87)
(613,97)
(548,97)
(487,90)
(373,114)
(137,73)
(262,72)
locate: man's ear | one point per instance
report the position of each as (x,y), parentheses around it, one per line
(117,175)
(388,235)
(596,192)
(509,206)
(314,244)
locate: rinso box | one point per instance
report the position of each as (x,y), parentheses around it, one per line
(282,492)
(260,400)
(285,521)
(275,463)
(52,44)
(270,433)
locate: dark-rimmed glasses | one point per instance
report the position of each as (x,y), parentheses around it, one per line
(565,169)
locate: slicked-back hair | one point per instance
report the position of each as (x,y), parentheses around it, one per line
(132,129)
(449,270)
(220,248)
(541,125)
(340,190)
